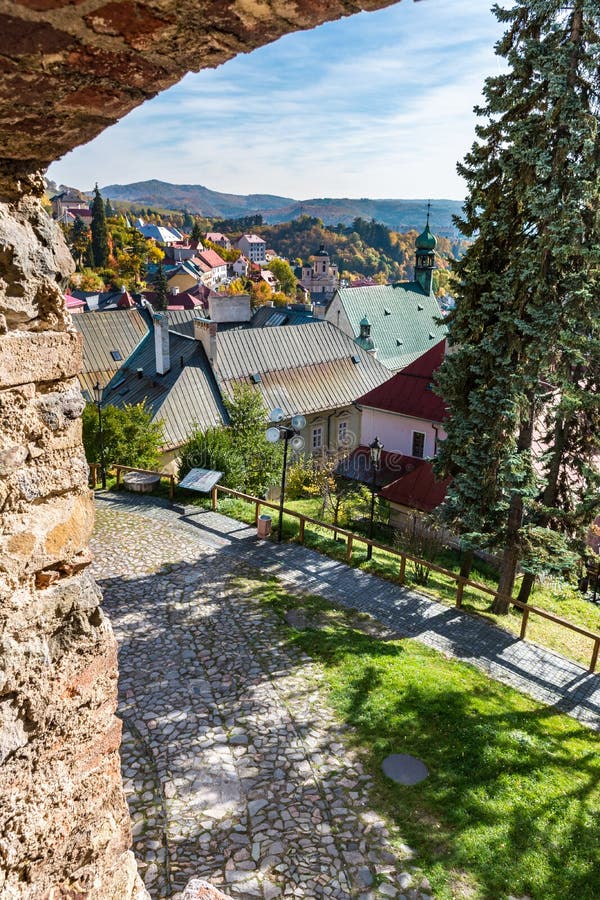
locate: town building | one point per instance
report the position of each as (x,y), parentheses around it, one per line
(253,247)
(215,237)
(402,319)
(407,417)
(320,278)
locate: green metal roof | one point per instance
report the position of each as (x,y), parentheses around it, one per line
(402,318)
(426,240)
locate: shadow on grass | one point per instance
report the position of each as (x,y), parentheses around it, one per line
(512,798)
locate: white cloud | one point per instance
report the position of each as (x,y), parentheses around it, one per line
(376,105)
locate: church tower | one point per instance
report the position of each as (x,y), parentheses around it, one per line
(425,258)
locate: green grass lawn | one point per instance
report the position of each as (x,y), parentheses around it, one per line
(561,599)
(512,803)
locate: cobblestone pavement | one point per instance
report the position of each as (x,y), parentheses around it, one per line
(235,769)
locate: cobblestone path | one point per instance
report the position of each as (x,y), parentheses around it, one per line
(234,768)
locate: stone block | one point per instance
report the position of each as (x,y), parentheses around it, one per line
(53,531)
(41,356)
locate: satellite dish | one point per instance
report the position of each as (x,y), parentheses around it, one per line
(277,415)
(298,422)
(297,443)
(272,435)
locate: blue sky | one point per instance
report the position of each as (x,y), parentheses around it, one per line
(376,105)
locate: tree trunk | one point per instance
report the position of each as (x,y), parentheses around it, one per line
(526,586)
(512,550)
(466,563)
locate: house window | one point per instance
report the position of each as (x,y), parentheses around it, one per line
(342,434)
(317,438)
(418,444)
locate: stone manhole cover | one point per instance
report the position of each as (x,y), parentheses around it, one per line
(404,769)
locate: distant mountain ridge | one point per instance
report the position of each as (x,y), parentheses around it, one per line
(401,215)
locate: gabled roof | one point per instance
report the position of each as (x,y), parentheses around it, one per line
(409,392)
(106,335)
(271,316)
(186,396)
(406,480)
(417,489)
(402,316)
(211,258)
(253,239)
(309,369)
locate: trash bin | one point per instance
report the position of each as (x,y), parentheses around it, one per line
(263,528)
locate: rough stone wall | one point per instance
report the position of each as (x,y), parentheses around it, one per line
(64,827)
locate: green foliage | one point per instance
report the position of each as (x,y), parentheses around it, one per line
(79,241)
(248,461)
(131,438)
(212,449)
(364,249)
(160,286)
(525,330)
(284,274)
(196,232)
(100,247)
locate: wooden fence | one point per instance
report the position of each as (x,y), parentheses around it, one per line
(95,468)
(461,583)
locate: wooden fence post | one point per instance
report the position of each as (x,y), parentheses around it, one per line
(213,497)
(460,587)
(524,621)
(118,484)
(349,549)
(257,513)
(595,655)
(171,486)
(402,573)
(302,521)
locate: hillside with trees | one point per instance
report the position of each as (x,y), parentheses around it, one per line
(364,249)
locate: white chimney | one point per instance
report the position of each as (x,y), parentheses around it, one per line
(161,342)
(174,290)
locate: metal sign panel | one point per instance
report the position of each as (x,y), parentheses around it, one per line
(200,480)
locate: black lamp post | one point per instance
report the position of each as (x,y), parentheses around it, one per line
(375,453)
(98,401)
(289,434)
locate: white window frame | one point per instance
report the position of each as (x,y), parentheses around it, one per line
(342,432)
(316,439)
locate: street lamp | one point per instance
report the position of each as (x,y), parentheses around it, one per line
(289,434)
(98,401)
(375,453)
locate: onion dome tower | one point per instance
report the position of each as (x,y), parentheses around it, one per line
(364,339)
(425,257)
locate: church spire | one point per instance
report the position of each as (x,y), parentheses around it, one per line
(425,257)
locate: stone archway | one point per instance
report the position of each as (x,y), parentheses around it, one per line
(69,69)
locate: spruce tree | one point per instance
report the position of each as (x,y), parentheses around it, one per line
(530,281)
(99,234)
(160,286)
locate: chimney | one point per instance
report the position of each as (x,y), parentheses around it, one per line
(174,290)
(161,342)
(205,331)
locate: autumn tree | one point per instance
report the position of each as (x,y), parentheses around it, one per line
(527,301)
(284,274)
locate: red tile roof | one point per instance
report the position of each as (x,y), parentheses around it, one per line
(409,391)
(211,258)
(417,489)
